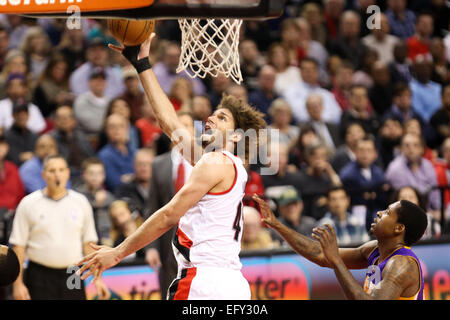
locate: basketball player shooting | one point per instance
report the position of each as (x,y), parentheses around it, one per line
(207,209)
(394,272)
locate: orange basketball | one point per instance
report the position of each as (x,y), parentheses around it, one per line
(131,32)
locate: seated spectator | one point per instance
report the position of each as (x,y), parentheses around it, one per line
(441,67)
(402,105)
(388,140)
(413,126)
(329,133)
(313,49)
(297,93)
(290,210)
(238,91)
(180,93)
(4,43)
(315,180)
(97,58)
(411,194)
(20,139)
(117,155)
(289,39)
(165,70)
(201,108)
(281,117)
(359,111)
(124,223)
(135,193)
(278,157)
(441,118)
(307,137)
(382,91)
(348,229)
(37,48)
(333,12)
(254,236)
(251,64)
(219,85)
(426,94)
(52,88)
(442,168)
(11,187)
(15,63)
(411,169)
(16,88)
(148,126)
(90,107)
(262,97)
(31,170)
(348,45)
(72,46)
(364,181)
(92,186)
(120,106)
(419,43)
(253,186)
(342,84)
(399,68)
(133,94)
(73,144)
(401,19)
(286,74)
(313,14)
(346,152)
(380,40)
(363,75)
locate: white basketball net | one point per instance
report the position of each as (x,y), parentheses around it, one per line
(210,47)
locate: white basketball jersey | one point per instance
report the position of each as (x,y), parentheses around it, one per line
(210,233)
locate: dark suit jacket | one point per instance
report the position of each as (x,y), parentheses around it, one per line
(340,158)
(161,192)
(356,184)
(335,134)
(130,192)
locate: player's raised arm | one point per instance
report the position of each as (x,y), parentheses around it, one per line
(160,103)
(354,258)
(204,177)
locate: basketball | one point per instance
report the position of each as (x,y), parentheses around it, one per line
(130,32)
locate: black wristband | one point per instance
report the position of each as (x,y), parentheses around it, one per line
(131,53)
(142,65)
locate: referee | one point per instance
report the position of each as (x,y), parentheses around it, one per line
(53,227)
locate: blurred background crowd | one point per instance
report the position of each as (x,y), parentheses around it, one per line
(362,112)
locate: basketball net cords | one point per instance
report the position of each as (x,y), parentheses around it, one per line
(210,47)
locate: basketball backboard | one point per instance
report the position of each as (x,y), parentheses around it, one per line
(163,9)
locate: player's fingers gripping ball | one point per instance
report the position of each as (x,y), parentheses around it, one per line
(130,32)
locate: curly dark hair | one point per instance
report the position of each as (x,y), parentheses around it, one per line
(245,118)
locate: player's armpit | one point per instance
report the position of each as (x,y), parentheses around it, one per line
(356,258)
(205,175)
(400,278)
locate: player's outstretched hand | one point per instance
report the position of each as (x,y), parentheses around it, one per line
(267,216)
(327,239)
(135,53)
(98,261)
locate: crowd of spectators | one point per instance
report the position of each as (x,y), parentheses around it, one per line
(362,109)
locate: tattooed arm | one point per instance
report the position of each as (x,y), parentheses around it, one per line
(400,276)
(354,258)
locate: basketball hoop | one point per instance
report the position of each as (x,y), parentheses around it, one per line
(210,28)
(210,47)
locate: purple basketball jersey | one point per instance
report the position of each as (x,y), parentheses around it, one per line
(375,271)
